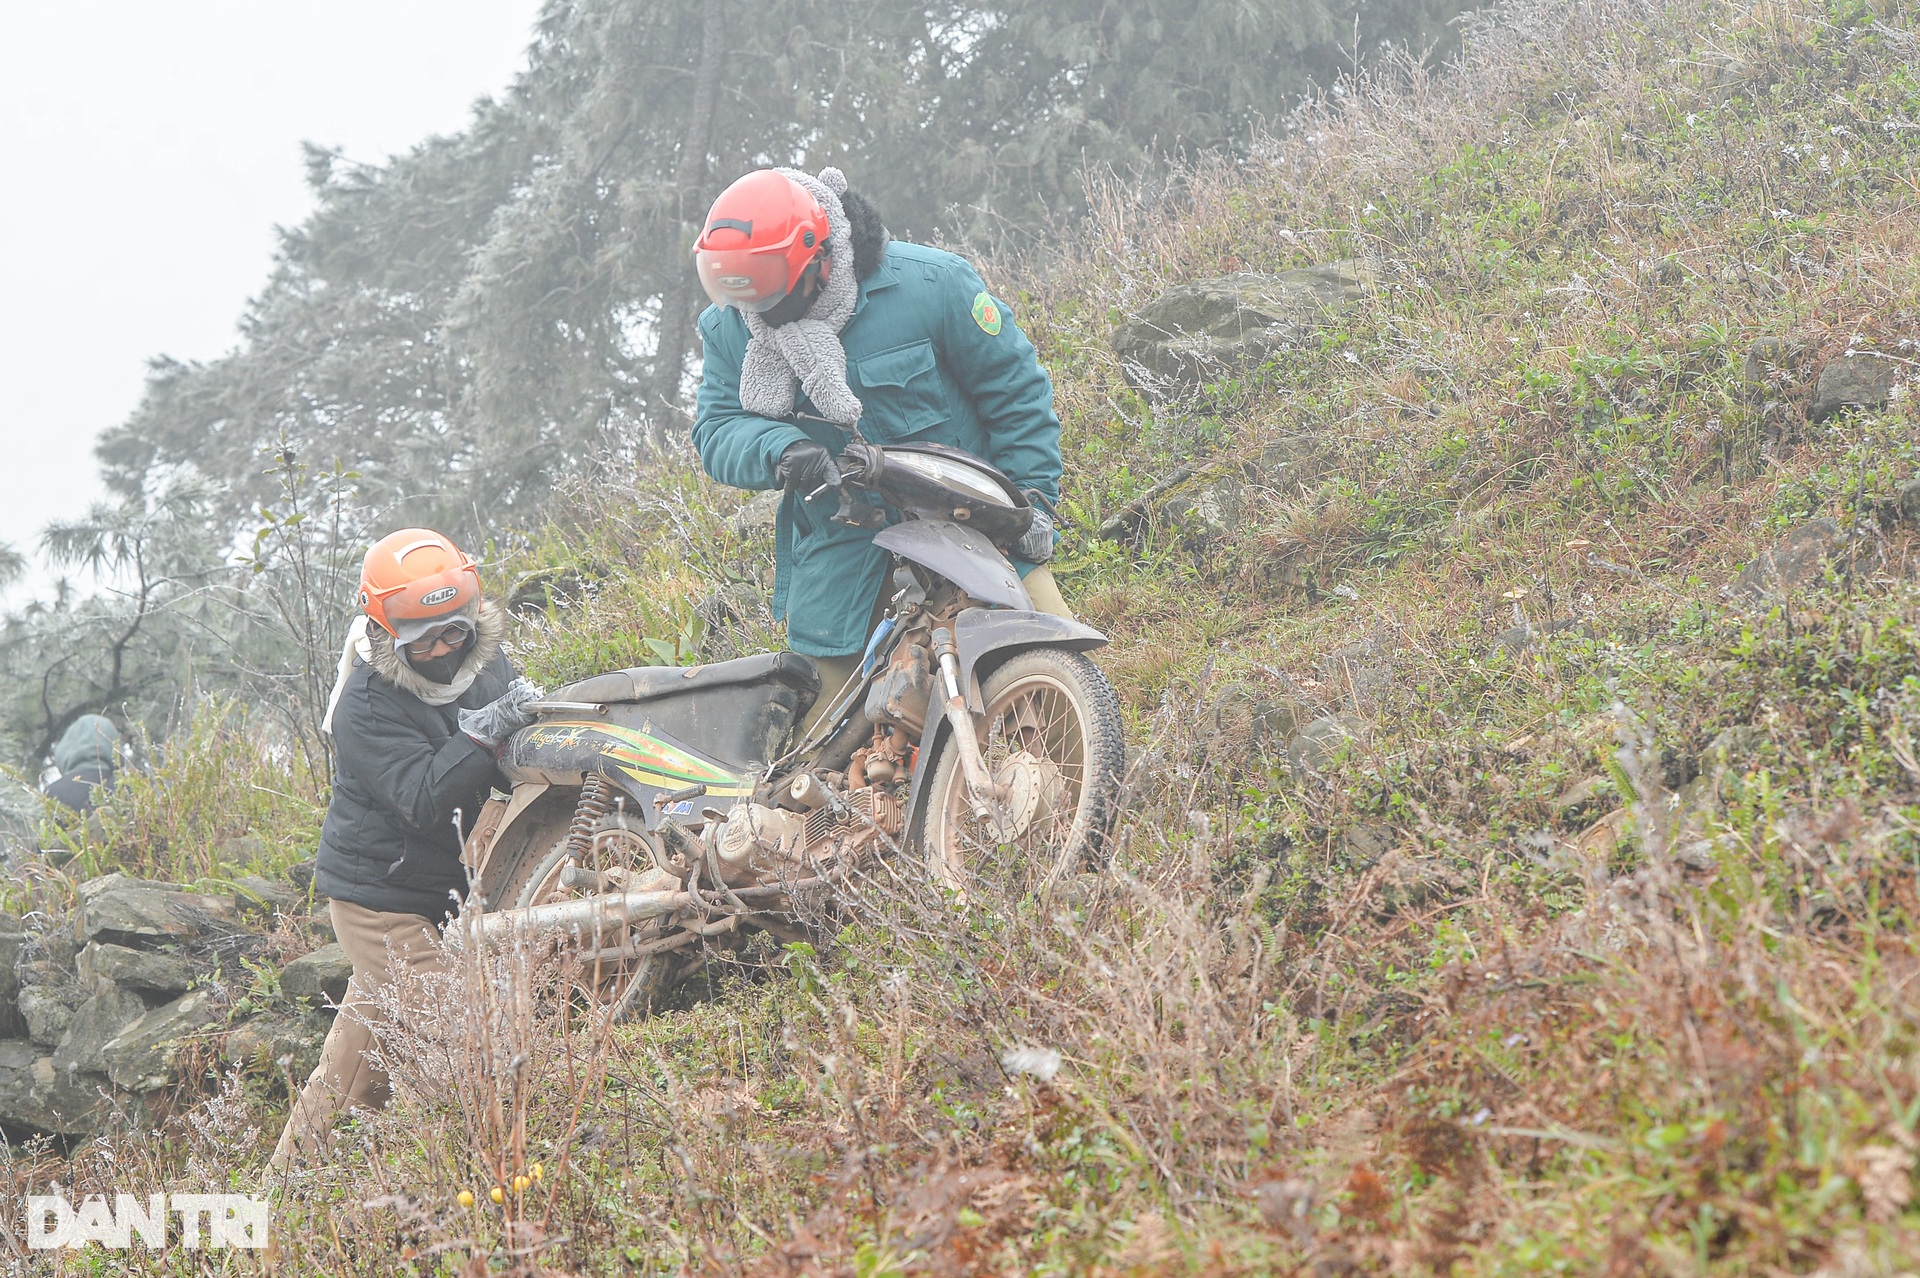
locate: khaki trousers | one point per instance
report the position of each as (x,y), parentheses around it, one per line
(345,1078)
(835,671)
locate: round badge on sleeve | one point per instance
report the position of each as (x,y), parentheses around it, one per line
(986,313)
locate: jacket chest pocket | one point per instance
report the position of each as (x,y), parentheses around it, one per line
(902,392)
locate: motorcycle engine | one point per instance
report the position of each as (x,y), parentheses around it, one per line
(756,840)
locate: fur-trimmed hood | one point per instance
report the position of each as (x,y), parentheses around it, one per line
(490,633)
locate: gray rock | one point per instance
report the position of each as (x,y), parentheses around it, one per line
(549,588)
(1318,744)
(1733,749)
(263,898)
(1695,854)
(1859,379)
(1795,559)
(1410,884)
(48,1010)
(123,911)
(137,969)
(143,1055)
(321,921)
(1243,715)
(241,850)
(1196,334)
(1364,844)
(37,1095)
(94,1025)
(1906,501)
(1771,360)
(321,975)
(300,874)
(1209,509)
(1517,639)
(12,942)
(1362,670)
(273,1044)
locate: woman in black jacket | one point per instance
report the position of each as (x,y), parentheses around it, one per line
(424,698)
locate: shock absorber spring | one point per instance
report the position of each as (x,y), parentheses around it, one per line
(586,814)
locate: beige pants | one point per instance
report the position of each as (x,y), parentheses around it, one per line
(835,671)
(345,1078)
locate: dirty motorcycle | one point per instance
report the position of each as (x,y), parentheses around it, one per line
(661,813)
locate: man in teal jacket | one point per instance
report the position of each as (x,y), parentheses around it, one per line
(907,344)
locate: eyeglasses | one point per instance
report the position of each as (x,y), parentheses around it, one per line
(453,634)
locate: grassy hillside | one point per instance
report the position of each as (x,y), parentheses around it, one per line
(1575,934)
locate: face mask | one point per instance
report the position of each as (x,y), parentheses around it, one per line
(443,668)
(798,299)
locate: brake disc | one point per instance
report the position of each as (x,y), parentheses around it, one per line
(1034,788)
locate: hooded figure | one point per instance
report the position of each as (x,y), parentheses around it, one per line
(85,757)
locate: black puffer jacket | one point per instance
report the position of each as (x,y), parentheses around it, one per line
(401,770)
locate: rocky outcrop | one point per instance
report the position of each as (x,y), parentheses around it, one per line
(148,971)
(1798,559)
(35,1095)
(118,910)
(1196,334)
(1320,743)
(318,977)
(47,1010)
(102,1006)
(142,1055)
(1857,379)
(95,1024)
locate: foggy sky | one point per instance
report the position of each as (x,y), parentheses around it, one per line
(149,150)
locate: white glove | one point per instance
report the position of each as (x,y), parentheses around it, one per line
(503,716)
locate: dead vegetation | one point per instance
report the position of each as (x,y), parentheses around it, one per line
(1581,942)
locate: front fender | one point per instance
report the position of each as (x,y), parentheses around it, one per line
(984,638)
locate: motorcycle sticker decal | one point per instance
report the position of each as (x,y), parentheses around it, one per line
(646,759)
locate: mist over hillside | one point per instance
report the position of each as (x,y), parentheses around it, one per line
(456,329)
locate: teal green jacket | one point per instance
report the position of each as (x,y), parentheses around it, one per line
(933,358)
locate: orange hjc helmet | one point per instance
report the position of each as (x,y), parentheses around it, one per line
(414,580)
(762,236)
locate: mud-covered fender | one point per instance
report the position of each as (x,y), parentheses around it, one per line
(983,638)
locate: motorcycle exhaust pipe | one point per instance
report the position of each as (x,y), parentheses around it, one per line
(583,918)
(587,917)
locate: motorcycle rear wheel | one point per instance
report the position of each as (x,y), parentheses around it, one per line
(1052,738)
(629,989)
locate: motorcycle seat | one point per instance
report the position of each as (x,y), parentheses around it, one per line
(650,683)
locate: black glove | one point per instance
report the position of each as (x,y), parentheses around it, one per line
(1036,544)
(503,716)
(804,467)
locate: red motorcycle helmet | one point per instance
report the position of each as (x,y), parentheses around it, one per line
(762,237)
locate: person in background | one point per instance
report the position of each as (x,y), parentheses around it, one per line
(424,699)
(84,758)
(822,323)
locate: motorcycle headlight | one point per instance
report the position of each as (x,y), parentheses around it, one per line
(953,474)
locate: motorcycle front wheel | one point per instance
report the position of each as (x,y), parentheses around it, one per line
(1053,748)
